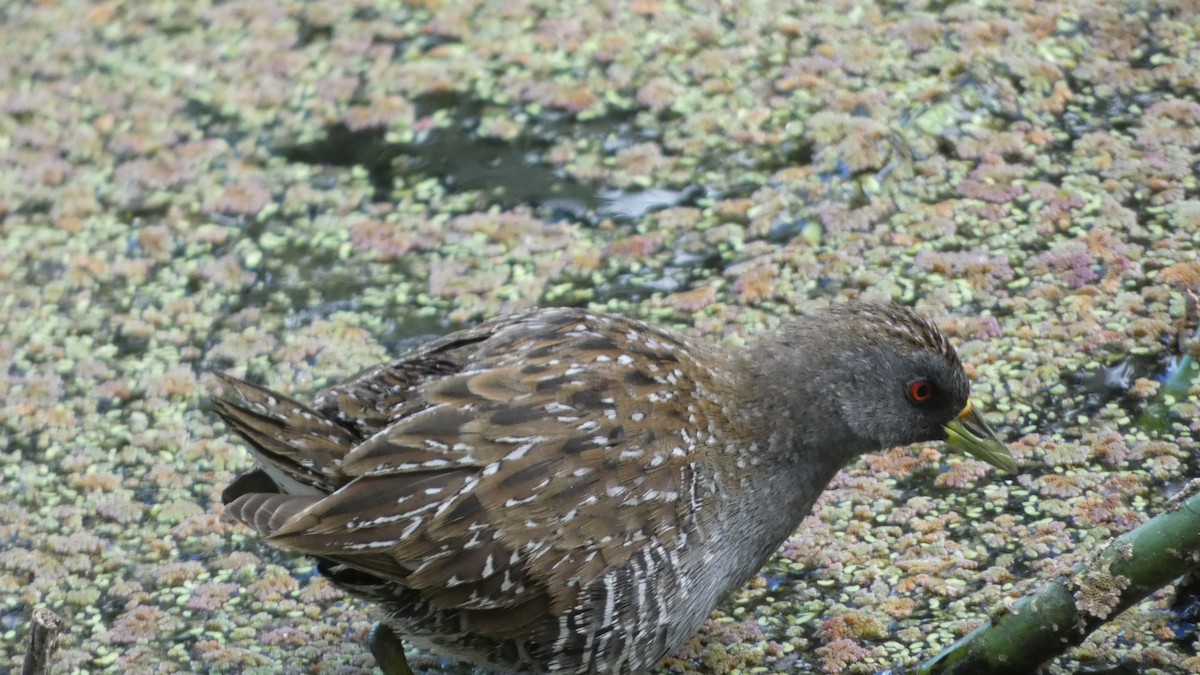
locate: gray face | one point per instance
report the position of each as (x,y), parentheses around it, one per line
(895,395)
(872,377)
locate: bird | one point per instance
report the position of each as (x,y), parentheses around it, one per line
(562,491)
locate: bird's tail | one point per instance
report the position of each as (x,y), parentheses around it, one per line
(300,450)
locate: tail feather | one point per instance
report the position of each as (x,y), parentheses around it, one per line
(300,452)
(299,448)
(266,513)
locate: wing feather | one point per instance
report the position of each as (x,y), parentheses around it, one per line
(501,482)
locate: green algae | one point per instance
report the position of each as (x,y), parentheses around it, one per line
(158,228)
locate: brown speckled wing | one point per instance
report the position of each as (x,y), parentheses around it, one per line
(503,489)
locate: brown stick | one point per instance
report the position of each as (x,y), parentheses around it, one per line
(42,641)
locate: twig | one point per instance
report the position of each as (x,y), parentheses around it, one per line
(388,651)
(42,641)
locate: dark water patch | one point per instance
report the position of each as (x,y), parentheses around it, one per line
(207,115)
(130,344)
(1113,114)
(685,272)
(635,288)
(32,206)
(1186,608)
(1176,380)
(137,209)
(13,619)
(313,286)
(692,262)
(1123,668)
(1085,392)
(1089,389)
(308,32)
(407,330)
(784,231)
(307,284)
(503,173)
(110,607)
(632,206)
(344,147)
(1096,387)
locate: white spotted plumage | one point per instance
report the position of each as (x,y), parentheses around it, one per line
(556,492)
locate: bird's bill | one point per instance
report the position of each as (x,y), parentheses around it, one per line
(971,434)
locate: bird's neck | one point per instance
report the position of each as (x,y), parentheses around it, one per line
(784,408)
(794,395)
(781,461)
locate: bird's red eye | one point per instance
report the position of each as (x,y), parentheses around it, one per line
(920,391)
